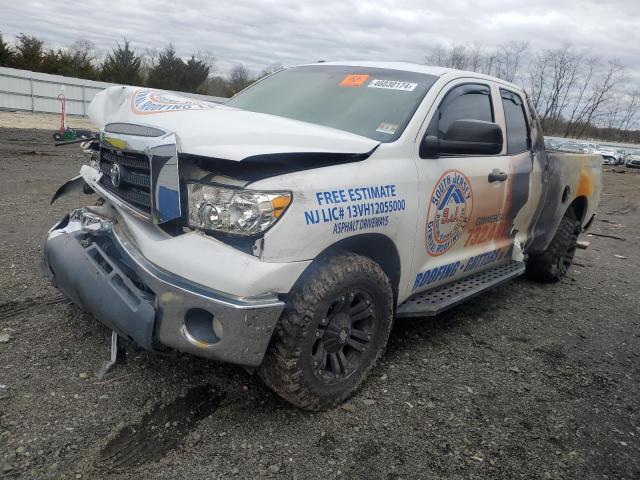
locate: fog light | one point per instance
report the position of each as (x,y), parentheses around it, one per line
(201,328)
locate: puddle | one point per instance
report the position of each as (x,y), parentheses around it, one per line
(159,432)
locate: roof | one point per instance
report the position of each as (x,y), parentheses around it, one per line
(404,66)
(419,68)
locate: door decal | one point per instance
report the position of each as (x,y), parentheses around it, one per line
(449,211)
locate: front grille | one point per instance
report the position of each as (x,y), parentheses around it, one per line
(134,184)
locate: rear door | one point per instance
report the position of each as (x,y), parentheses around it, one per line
(524,183)
(463,198)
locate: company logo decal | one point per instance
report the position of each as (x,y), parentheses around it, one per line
(449,211)
(150,101)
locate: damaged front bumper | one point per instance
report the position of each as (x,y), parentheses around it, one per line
(90,258)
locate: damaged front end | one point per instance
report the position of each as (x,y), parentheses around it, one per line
(90,258)
(150,269)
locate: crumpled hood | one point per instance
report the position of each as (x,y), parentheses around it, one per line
(213,130)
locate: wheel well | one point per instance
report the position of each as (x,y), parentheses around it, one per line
(579,207)
(378,248)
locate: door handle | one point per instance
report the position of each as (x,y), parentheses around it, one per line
(497,176)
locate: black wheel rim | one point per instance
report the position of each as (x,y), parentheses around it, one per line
(343,336)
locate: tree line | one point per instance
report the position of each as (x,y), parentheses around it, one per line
(576,94)
(123,64)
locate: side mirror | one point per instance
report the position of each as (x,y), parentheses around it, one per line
(465,137)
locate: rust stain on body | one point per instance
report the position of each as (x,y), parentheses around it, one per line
(586,183)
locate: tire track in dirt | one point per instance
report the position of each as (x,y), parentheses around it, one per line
(35,304)
(159,432)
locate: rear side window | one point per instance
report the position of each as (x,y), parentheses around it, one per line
(516,120)
(465,102)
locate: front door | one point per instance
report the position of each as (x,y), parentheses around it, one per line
(463,198)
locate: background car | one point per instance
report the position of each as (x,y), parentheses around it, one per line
(571,147)
(610,156)
(633,161)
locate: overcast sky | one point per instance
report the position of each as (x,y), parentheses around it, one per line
(258,33)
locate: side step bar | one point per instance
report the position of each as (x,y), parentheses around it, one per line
(433,302)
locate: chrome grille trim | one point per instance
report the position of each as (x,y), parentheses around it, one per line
(134,180)
(145,172)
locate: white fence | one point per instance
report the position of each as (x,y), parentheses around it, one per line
(38,92)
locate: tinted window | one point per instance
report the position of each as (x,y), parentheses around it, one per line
(465,102)
(517,128)
(372,102)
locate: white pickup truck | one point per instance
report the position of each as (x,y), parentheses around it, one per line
(286,229)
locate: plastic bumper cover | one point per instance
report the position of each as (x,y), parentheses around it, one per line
(91,260)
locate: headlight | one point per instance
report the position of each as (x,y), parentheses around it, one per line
(244,212)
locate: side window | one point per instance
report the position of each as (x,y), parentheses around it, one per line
(464,102)
(518,139)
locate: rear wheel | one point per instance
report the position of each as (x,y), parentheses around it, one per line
(332,333)
(554,263)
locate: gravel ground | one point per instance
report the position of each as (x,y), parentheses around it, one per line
(41,121)
(527,381)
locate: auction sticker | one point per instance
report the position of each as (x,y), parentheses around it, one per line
(145,102)
(389,128)
(449,211)
(353,80)
(393,85)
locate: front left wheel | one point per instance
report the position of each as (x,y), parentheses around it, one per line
(332,333)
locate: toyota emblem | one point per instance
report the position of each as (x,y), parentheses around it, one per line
(115,174)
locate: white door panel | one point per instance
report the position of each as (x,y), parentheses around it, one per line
(462,205)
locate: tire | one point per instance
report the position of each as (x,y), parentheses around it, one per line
(332,333)
(554,263)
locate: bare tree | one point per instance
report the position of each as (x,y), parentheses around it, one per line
(510,57)
(476,58)
(612,114)
(456,57)
(630,110)
(437,56)
(239,78)
(270,69)
(556,83)
(537,78)
(601,94)
(588,68)
(219,87)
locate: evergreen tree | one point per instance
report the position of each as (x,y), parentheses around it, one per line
(29,52)
(77,61)
(123,66)
(196,73)
(6,53)
(168,71)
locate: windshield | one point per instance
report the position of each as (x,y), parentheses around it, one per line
(373,102)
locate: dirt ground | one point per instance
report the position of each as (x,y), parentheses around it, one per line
(44,121)
(527,381)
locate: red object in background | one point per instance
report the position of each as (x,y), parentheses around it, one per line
(63,102)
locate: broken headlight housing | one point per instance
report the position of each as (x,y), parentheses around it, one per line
(243,212)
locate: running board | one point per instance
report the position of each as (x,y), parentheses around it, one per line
(433,302)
